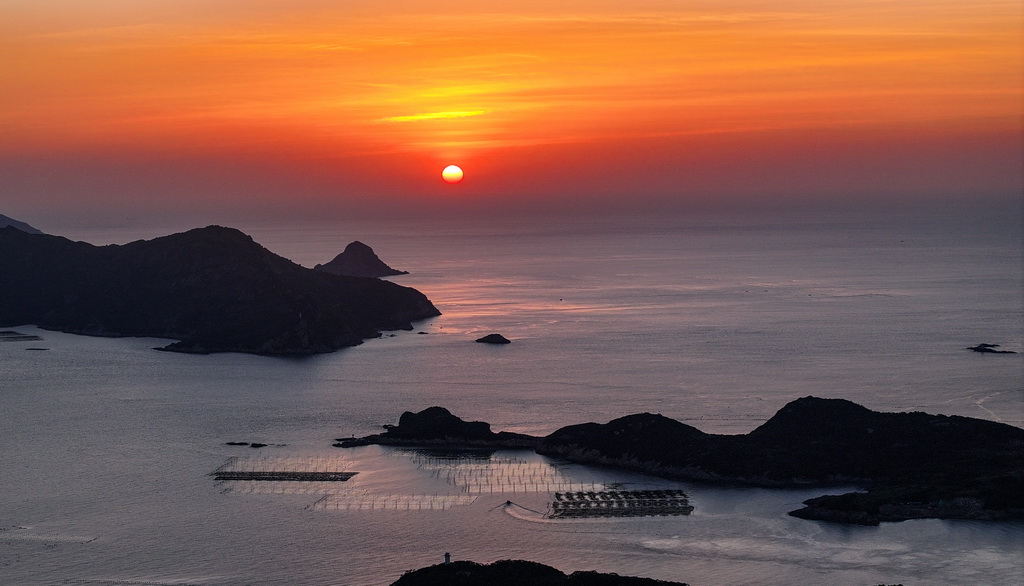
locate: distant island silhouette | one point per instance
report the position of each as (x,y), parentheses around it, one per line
(494,339)
(358,260)
(8,221)
(213,289)
(914,465)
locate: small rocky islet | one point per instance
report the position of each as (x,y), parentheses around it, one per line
(358,260)
(911,465)
(989,349)
(493,339)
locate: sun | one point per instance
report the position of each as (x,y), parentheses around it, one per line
(452,174)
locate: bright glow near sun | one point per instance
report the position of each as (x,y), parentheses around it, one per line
(452,174)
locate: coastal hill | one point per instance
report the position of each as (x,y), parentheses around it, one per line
(214,289)
(914,465)
(358,260)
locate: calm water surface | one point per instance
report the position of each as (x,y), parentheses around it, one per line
(108,445)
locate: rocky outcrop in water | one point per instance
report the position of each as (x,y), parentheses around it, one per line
(358,260)
(213,289)
(515,573)
(989,349)
(493,339)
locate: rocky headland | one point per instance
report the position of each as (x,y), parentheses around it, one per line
(515,573)
(911,465)
(358,260)
(213,289)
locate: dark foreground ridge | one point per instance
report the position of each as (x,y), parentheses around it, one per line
(213,288)
(515,573)
(358,260)
(913,465)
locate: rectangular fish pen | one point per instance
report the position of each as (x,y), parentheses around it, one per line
(391,502)
(616,503)
(296,475)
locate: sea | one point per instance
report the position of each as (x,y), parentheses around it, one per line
(108,447)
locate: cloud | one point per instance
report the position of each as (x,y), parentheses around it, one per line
(433,116)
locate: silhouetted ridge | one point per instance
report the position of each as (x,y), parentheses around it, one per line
(643,437)
(949,466)
(8,221)
(212,288)
(812,418)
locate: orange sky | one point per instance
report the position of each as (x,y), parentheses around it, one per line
(225,104)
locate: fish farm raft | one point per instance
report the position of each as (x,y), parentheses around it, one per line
(619,503)
(282,470)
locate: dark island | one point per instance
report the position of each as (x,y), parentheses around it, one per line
(913,465)
(358,260)
(214,289)
(515,573)
(989,349)
(493,339)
